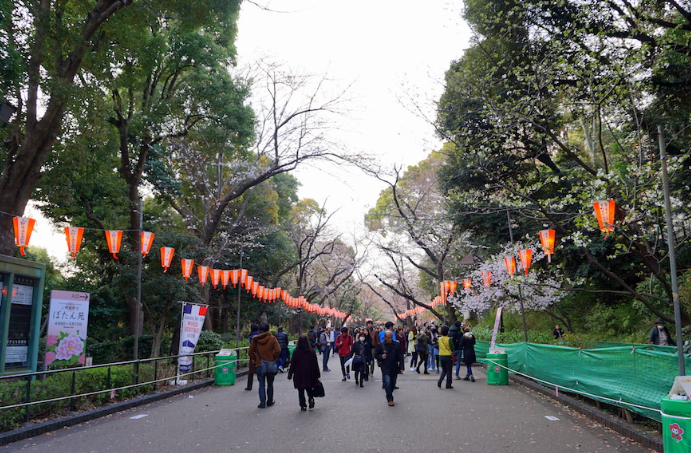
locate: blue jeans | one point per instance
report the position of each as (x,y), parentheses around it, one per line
(389,383)
(325,357)
(431,360)
(281,360)
(459,354)
(266,388)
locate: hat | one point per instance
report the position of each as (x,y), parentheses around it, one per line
(660,321)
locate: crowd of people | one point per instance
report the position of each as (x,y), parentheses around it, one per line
(359,350)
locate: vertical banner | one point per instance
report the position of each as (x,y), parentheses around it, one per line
(190,328)
(496,327)
(68,318)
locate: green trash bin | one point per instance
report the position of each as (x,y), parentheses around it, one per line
(676,426)
(224,373)
(497,373)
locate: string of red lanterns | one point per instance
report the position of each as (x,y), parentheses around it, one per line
(23,227)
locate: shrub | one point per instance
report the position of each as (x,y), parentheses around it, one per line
(209,341)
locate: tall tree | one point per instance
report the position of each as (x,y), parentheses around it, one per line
(53,38)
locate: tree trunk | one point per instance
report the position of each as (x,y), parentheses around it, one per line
(22,169)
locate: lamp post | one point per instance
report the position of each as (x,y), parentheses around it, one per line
(520,290)
(672,254)
(237,327)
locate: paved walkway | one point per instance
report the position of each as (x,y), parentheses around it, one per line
(472,417)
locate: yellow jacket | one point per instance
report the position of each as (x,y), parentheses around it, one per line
(445,346)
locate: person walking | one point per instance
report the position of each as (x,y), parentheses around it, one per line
(373,335)
(392,362)
(325,346)
(360,353)
(304,371)
(432,346)
(422,351)
(344,342)
(468,346)
(456,333)
(282,339)
(264,348)
(445,360)
(412,343)
(312,336)
(332,340)
(254,330)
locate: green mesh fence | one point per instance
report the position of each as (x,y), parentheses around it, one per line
(635,374)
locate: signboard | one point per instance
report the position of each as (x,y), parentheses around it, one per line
(22,294)
(190,328)
(68,318)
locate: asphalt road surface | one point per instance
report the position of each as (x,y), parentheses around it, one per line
(472,417)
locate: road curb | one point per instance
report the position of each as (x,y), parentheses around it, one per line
(52,425)
(610,421)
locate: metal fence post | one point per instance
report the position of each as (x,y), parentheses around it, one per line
(155,374)
(74,387)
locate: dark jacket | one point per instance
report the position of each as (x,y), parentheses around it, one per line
(455,334)
(357,350)
(251,368)
(655,336)
(468,346)
(423,340)
(394,361)
(304,369)
(282,339)
(264,346)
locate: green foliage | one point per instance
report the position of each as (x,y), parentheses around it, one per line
(12,393)
(209,341)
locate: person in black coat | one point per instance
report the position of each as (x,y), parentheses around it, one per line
(388,354)
(282,339)
(468,346)
(304,371)
(660,335)
(360,354)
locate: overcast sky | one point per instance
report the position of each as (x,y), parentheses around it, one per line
(389,51)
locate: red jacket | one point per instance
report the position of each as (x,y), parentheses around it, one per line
(344,342)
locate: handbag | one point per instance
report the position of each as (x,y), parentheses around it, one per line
(420,348)
(318,390)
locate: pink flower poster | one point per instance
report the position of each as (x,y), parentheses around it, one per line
(68,318)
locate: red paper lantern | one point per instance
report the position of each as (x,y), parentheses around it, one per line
(249,281)
(604,210)
(74,239)
(467,283)
(167,257)
(225,278)
(114,238)
(487,278)
(547,241)
(526,257)
(23,227)
(215,277)
(147,242)
(187,268)
(203,274)
(510,263)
